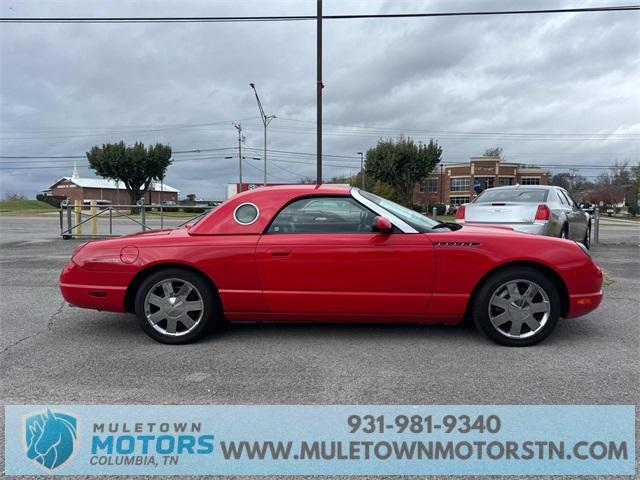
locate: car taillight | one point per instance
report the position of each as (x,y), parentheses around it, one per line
(460,213)
(542,213)
(78,248)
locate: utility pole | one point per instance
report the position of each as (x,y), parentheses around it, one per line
(238,127)
(361,168)
(572,176)
(266,120)
(319,88)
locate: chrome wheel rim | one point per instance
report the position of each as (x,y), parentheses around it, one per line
(519,308)
(173,307)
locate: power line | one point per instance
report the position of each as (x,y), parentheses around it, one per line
(461,132)
(199,150)
(462,136)
(295,18)
(350,127)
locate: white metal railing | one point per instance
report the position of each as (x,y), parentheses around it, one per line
(73,216)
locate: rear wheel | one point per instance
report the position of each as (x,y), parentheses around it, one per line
(587,237)
(517,308)
(175,306)
(564,232)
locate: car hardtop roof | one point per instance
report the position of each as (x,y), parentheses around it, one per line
(326,188)
(268,200)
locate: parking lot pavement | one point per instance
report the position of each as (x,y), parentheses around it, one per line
(614,230)
(54,353)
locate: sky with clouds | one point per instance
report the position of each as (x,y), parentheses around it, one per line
(555,89)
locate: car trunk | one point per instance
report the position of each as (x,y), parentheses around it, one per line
(503,212)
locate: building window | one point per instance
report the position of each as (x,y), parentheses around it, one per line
(460,184)
(430,185)
(504,182)
(458,200)
(483,183)
(530,181)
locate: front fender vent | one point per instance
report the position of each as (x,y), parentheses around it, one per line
(455,244)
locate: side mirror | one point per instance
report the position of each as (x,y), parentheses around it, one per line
(382,225)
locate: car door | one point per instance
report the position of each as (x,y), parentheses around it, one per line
(577,218)
(321,256)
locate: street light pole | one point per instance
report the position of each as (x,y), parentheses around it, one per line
(319,88)
(239,128)
(361,168)
(266,120)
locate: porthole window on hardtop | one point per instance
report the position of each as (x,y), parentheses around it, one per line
(246,214)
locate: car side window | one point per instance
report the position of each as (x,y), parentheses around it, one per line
(562,197)
(323,215)
(572,202)
(567,199)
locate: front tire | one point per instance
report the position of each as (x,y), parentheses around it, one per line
(175,306)
(517,307)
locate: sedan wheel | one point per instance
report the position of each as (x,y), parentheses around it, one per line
(564,233)
(517,307)
(587,237)
(175,306)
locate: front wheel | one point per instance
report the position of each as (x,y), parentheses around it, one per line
(175,306)
(517,307)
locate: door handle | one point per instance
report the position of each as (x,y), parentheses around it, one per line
(279,252)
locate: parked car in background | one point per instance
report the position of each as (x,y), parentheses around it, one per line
(536,209)
(588,207)
(333,254)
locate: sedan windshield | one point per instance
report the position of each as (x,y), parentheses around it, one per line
(530,195)
(413,218)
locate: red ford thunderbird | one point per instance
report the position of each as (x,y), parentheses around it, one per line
(329,254)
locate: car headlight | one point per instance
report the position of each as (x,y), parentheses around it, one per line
(584,249)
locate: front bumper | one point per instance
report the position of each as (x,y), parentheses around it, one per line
(96,290)
(582,304)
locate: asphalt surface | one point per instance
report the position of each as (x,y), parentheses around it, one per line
(53,353)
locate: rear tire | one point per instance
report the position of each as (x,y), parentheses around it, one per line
(587,237)
(516,307)
(176,306)
(564,232)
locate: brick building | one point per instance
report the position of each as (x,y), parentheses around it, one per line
(455,184)
(106,191)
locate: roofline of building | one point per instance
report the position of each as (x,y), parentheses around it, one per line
(72,180)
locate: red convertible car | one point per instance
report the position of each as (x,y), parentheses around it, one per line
(333,253)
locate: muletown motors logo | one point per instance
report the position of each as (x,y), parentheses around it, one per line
(50,438)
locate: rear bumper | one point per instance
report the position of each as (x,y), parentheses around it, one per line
(92,289)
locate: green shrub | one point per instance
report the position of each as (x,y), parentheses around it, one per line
(441,208)
(194,209)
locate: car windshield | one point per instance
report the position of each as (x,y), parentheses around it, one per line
(413,218)
(527,195)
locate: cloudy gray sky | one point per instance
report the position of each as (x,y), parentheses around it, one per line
(568,82)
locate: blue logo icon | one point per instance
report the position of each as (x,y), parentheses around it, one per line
(50,438)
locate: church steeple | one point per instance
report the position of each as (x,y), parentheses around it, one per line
(75,174)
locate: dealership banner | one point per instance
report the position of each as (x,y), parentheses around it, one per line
(320,439)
